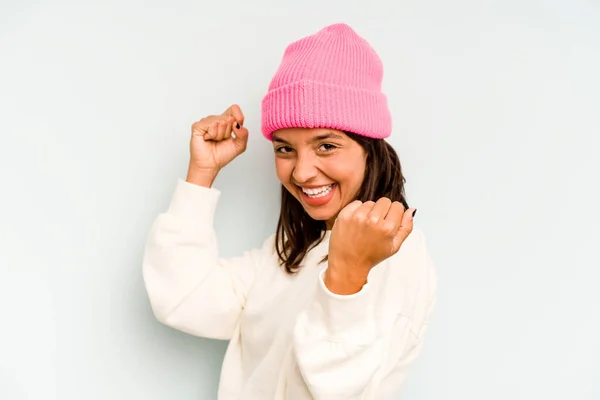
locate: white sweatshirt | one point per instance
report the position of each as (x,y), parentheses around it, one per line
(290,337)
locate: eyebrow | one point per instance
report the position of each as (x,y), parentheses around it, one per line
(329,135)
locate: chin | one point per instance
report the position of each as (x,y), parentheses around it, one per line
(324,214)
(320,216)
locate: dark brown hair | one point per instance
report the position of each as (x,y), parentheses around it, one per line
(297,232)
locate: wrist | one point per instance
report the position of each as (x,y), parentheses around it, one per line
(201,177)
(345,280)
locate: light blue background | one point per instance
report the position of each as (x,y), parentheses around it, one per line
(495,109)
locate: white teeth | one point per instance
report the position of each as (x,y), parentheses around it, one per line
(318,192)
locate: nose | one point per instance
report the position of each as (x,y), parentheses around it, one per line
(305,168)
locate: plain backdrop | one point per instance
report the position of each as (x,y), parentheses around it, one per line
(496,111)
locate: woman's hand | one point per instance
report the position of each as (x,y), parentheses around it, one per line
(363,235)
(212,145)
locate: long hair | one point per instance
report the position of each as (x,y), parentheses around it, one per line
(297,232)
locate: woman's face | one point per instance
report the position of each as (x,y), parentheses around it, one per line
(322,168)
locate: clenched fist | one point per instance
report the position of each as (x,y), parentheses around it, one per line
(216,140)
(363,235)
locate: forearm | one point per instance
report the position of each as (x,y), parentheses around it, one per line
(337,343)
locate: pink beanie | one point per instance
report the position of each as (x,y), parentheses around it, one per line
(331,79)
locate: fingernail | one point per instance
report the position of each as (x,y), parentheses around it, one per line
(237,125)
(414,212)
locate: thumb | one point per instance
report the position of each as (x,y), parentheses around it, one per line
(241,138)
(406,227)
(236,112)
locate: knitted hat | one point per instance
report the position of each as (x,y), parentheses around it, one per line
(331,79)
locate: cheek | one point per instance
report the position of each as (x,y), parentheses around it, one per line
(350,177)
(352,184)
(350,173)
(283,168)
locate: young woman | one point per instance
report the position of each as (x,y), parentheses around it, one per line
(335,304)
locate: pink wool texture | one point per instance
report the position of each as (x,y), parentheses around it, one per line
(331,79)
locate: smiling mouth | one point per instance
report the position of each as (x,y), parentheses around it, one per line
(315,193)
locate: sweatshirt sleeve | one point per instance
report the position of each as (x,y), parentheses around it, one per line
(189,286)
(360,346)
